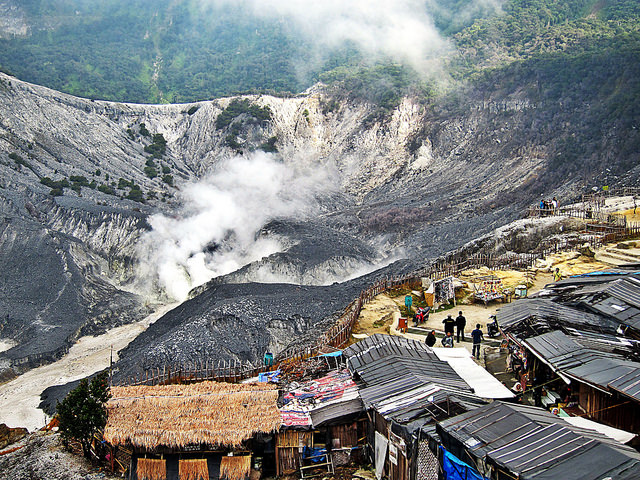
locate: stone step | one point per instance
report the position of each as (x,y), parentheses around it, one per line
(614,259)
(634,253)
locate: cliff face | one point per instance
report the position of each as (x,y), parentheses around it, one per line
(420,182)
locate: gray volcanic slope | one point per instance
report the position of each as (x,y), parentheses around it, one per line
(415,184)
(53,285)
(236,322)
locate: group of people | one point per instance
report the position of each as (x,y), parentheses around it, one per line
(459,322)
(548,207)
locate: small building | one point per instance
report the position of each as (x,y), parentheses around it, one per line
(601,380)
(406,388)
(322,418)
(205,430)
(502,441)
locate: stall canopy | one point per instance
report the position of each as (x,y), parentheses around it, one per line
(482,382)
(531,443)
(322,400)
(604,370)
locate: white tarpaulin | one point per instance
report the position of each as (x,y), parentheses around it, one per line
(619,435)
(483,383)
(381,454)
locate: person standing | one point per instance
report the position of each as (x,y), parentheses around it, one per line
(431,338)
(557,276)
(461,322)
(449,323)
(477,337)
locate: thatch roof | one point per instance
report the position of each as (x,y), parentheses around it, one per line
(174,416)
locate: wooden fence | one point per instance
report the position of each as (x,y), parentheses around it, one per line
(339,333)
(584,213)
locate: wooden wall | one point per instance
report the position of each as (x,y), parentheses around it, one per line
(614,410)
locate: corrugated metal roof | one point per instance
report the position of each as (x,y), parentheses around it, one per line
(384,358)
(561,350)
(335,411)
(603,370)
(405,381)
(544,314)
(626,289)
(533,443)
(613,307)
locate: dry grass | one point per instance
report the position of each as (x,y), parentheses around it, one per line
(221,414)
(235,468)
(196,469)
(152,469)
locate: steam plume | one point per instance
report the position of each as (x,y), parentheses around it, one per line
(215,233)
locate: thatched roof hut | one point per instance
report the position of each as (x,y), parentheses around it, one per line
(174,416)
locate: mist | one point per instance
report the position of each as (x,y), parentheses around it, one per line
(215,232)
(401,30)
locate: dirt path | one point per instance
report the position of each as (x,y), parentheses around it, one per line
(378,315)
(19,398)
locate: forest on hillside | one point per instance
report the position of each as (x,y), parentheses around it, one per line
(570,55)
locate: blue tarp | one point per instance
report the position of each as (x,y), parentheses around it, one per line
(273,377)
(332,354)
(456,469)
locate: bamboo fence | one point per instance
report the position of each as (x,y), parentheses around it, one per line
(151,469)
(235,468)
(604,228)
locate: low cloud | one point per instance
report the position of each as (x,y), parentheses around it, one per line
(401,30)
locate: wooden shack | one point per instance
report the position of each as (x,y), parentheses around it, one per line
(321,418)
(206,430)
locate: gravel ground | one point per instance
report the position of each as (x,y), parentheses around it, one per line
(41,456)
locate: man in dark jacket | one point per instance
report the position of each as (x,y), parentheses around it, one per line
(477,339)
(449,323)
(461,322)
(431,338)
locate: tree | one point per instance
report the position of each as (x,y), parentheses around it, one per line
(83,412)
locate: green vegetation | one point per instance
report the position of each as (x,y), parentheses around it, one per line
(152,52)
(143,130)
(104,188)
(150,172)
(381,85)
(168,179)
(122,183)
(57,186)
(20,162)
(135,194)
(79,180)
(158,146)
(83,413)
(270,145)
(252,113)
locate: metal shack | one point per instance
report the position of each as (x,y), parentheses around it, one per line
(406,388)
(503,441)
(323,425)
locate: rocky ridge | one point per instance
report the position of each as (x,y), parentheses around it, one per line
(420,182)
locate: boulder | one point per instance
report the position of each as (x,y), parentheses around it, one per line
(11,435)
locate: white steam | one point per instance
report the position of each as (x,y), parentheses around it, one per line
(400,29)
(215,233)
